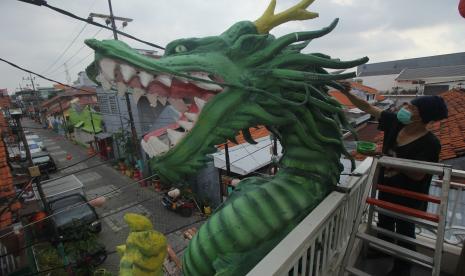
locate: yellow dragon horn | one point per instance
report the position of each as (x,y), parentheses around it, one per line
(269,19)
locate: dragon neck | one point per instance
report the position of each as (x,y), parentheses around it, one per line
(315,161)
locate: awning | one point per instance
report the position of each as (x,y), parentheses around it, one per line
(79,124)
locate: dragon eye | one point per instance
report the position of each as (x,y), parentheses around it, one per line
(180,49)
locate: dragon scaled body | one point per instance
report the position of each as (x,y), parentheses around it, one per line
(226,84)
(145,249)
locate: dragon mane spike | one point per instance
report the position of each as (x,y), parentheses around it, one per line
(269,19)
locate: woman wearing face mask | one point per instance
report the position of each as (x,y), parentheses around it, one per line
(405,136)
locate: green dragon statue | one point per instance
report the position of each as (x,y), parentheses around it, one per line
(228,83)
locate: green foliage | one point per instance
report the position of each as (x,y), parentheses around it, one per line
(127,147)
(83,120)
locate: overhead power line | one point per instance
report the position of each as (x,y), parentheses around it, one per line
(39,75)
(127,185)
(44,3)
(65,50)
(75,54)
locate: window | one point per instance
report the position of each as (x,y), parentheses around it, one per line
(113,104)
(103,103)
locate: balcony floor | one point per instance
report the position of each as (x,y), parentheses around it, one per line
(380,266)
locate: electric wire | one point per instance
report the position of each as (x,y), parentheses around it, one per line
(90,8)
(16,197)
(45,4)
(78,205)
(65,50)
(39,75)
(79,61)
(100,219)
(75,54)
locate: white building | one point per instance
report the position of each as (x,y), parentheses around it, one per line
(425,75)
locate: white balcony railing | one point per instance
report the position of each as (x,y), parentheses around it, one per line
(316,245)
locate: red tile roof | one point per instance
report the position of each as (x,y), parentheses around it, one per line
(341,98)
(7,189)
(256,133)
(451,131)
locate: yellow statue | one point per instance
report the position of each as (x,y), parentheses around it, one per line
(145,249)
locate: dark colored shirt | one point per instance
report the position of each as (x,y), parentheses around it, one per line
(425,148)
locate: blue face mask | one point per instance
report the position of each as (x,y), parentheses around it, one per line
(404,116)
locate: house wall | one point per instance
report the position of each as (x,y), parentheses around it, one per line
(147,115)
(382,83)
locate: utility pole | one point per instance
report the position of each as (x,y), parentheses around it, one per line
(17,117)
(226,154)
(64,118)
(68,77)
(34,93)
(275,154)
(112,19)
(93,128)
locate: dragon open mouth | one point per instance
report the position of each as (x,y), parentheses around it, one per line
(186,95)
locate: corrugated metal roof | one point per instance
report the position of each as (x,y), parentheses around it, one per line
(396,66)
(246,158)
(432,72)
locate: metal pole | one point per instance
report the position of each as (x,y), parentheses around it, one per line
(30,163)
(93,128)
(37,107)
(226,154)
(112,18)
(64,119)
(133,128)
(128,103)
(23,138)
(275,154)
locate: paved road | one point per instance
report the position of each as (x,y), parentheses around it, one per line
(104,179)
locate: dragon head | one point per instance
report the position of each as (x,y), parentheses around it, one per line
(222,84)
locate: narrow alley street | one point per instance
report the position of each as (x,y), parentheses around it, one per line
(128,196)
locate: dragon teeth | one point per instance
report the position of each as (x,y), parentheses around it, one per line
(144,146)
(178,104)
(200,75)
(105,83)
(108,69)
(164,79)
(145,78)
(122,88)
(152,99)
(199,102)
(174,136)
(204,85)
(155,146)
(162,100)
(207,86)
(186,125)
(184,80)
(137,93)
(191,116)
(127,71)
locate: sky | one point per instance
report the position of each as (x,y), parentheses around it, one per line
(36,37)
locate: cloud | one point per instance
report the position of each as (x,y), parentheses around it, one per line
(35,36)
